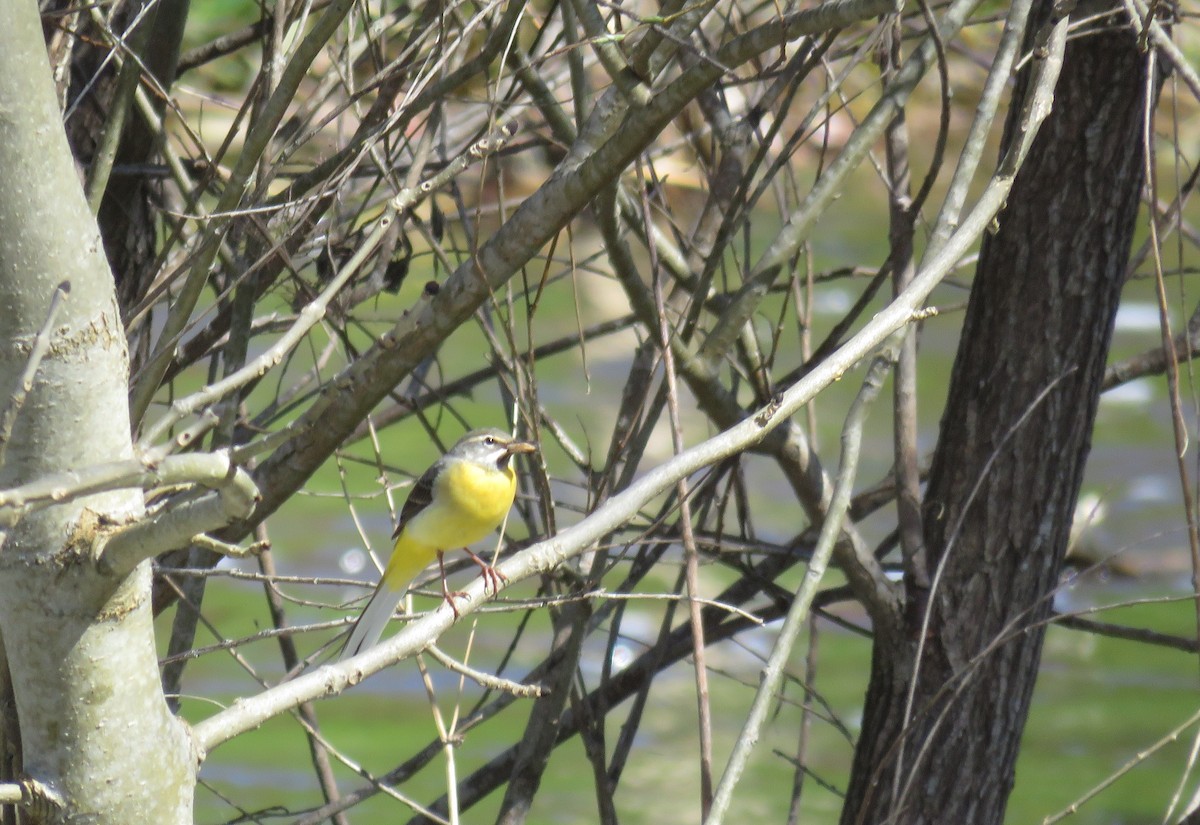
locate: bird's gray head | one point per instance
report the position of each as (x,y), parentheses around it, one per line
(489,446)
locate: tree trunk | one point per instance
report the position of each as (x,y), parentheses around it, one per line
(88,87)
(1010,459)
(93,727)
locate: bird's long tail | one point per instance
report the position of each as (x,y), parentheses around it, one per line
(408,559)
(372,621)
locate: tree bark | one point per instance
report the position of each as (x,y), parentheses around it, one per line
(1008,465)
(93,727)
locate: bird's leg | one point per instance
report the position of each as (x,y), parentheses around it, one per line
(447,593)
(490,574)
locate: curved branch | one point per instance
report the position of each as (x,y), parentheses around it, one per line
(233,497)
(195,468)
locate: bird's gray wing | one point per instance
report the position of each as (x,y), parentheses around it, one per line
(420,497)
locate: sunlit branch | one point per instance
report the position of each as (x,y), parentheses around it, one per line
(197,468)
(546,555)
(232,496)
(798,612)
(788,444)
(995,87)
(309,317)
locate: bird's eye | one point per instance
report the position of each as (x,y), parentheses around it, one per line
(490,441)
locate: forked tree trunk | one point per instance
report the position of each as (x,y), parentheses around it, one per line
(1008,465)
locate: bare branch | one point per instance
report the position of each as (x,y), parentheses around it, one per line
(798,613)
(233,497)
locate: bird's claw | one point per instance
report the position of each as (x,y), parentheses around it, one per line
(490,574)
(491,577)
(449,596)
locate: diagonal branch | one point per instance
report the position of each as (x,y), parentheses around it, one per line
(547,554)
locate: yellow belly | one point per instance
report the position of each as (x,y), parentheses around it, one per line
(469,502)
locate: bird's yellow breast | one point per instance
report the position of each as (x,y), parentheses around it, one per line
(469,501)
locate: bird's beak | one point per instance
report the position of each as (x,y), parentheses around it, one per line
(517,447)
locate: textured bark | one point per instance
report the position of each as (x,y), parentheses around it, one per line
(79,645)
(1010,458)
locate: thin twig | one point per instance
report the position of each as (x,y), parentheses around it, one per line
(797,613)
(37,351)
(1141,757)
(486,680)
(287,650)
(1179,426)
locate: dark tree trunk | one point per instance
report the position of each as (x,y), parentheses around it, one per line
(1010,458)
(129,209)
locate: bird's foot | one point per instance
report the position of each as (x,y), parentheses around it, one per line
(447,594)
(490,574)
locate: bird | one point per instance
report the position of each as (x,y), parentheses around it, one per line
(461,498)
